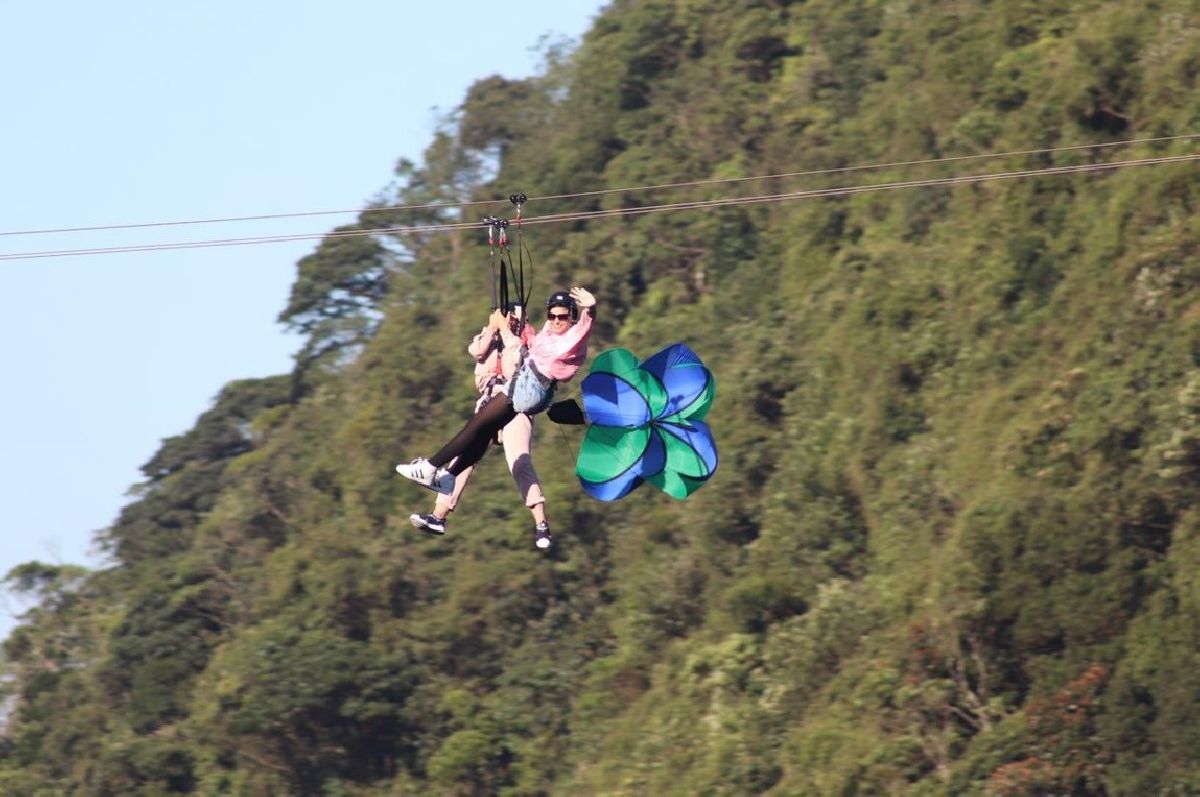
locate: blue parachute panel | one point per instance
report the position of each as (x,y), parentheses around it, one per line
(610,400)
(684,378)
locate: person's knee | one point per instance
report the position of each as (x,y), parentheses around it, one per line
(522,467)
(527,480)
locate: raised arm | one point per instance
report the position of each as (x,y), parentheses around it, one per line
(585,300)
(587,312)
(483,343)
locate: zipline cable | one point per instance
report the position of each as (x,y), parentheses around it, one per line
(859,189)
(605,191)
(268,239)
(876,166)
(622,212)
(257,217)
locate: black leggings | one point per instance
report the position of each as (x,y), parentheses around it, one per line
(472,441)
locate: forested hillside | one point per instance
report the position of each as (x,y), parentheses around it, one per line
(953,544)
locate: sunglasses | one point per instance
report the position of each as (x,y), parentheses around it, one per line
(558,316)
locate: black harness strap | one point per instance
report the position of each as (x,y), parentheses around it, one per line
(505,267)
(498,252)
(524,290)
(491,255)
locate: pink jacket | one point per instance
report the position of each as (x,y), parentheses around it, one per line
(559,356)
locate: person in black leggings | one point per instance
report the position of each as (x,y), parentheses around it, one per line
(556,353)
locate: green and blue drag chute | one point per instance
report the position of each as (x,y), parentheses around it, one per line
(646,424)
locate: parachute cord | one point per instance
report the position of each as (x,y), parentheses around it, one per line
(567,440)
(528,254)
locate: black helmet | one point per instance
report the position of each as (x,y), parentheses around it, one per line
(563,299)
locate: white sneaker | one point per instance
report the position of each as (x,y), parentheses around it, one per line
(425,474)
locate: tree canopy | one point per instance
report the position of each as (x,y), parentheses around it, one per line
(950,546)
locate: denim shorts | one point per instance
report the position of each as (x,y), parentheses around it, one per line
(530,391)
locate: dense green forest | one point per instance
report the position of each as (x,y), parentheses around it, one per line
(953,546)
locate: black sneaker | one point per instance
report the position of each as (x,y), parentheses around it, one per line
(542,538)
(429,523)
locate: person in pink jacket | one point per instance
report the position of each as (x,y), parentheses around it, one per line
(554,355)
(497,353)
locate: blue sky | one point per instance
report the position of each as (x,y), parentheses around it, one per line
(136,111)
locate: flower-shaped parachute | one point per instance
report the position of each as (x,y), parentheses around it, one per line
(645,424)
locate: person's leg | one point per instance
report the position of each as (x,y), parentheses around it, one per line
(446,504)
(517,438)
(435,522)
(472,441)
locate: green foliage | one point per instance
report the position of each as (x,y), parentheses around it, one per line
(952,544)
